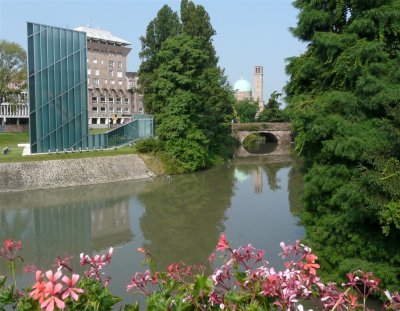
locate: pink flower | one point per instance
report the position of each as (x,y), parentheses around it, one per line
(222,243)
(52,293)
(71,290)
(96,264)
(53,278)
(311,265)
(38,289)
(286,250)
(11,249)
(30,268)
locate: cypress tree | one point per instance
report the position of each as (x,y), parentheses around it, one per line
(186,90)
(344,99)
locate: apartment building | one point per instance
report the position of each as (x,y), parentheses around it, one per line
(133,85)
(110,100)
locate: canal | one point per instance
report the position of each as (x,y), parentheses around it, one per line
(252,200)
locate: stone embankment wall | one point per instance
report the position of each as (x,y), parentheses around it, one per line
(74,172)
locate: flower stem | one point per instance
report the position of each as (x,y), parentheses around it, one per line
(12,266)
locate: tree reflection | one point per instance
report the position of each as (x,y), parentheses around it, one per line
(186,227)
(295,186)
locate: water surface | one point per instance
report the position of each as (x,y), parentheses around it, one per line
(251,200)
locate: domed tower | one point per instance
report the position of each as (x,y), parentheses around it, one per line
(242,89)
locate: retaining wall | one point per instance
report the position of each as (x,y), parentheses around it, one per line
(73,172)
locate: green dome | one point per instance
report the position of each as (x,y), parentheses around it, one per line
(242,86)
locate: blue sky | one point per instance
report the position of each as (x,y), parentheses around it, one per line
(249,32)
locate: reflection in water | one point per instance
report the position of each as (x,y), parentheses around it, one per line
(65,221)
(184,218)
(176,220)
(261,148)
(257,180)
(260,143)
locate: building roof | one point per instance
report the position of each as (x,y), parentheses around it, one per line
(102,35)
(242,86)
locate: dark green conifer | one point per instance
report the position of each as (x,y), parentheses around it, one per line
(344,99)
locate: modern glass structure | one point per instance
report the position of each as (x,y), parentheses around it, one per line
(58,95)
(57,88)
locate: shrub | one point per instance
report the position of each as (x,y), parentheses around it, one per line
(148,145)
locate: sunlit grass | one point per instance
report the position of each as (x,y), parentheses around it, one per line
(11,140)
(99,130)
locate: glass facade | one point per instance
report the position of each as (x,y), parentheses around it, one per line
(142,126)
(57,71)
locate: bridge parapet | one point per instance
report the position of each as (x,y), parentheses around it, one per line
(262,126)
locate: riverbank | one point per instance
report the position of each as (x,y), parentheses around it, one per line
(21,176)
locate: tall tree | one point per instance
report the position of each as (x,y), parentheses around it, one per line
(187,92)
(165,25)
(12,69)
(246,110)
(191,105)
(344,100)
(271,112)
(196,23)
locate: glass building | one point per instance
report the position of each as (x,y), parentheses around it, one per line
(57,88)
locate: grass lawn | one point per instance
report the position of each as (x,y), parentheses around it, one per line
(15,153)
(99,131)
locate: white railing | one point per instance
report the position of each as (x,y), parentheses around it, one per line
(8,110)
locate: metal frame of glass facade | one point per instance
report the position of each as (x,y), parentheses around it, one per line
(57,69)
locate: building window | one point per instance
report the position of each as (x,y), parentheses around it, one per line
(111,53)
(119,100)
(112,82)
(111,73)
(119,110)
(111,100)
(103,110)
(94,100)
(140,109)
(119,64)
(96,81)
(97,72)
(110,63)
(126,101)
(111,109)
(120,82)
(94,61)
(105,81)
(119,74)
(102,100)
(89,71)
(94,109)
(126,110)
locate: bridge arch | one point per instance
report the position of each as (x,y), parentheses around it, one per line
(279,132)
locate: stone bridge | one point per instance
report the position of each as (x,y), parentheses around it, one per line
(279,132)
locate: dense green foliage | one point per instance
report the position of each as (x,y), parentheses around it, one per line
(185,90)
(271,112)
(344,99)
(12,70)
(246,110)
